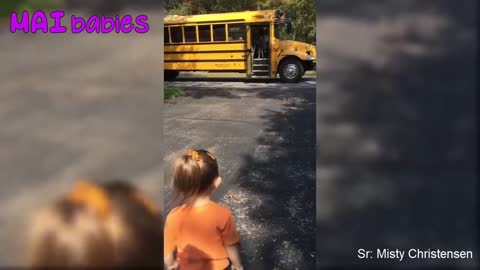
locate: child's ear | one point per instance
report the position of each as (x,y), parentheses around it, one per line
(217,182)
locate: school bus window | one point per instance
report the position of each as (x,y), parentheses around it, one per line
(236,32)
(283,31)
(204,33)
(166,38)
(176,34)
(219,32)
(190,33)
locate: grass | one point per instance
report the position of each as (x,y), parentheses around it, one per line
(173,92)
(311,73)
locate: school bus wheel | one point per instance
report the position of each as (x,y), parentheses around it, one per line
(291,70)
(171,75)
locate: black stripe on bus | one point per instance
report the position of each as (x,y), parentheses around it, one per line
(207,60)
(206,43)
(195,23)
(209,51)
(215,70)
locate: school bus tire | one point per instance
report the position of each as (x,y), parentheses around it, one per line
(171,75)
(291,70)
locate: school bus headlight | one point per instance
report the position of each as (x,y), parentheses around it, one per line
(309,57)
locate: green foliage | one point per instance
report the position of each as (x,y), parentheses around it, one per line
(303,16)
(172,92)
(179,10)
(272,4)
(194,7)
(282,33)
(9,6)
(302,12)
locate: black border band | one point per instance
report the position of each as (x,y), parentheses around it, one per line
(211,22)
(206,43)
(209,51)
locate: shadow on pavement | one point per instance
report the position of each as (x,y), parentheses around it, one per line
(224,90)
(213,79)
(274,202)
(216,92)
(396,155)
(227,79)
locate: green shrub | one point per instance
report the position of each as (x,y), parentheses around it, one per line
(9,6)
(172,92)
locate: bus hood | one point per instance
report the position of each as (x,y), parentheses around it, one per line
(299,47)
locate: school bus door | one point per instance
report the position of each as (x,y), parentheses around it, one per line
(249,53)
(274,51)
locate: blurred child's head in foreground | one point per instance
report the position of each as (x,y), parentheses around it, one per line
(196,174)
(97,225)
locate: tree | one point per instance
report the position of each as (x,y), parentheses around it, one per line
(303,16)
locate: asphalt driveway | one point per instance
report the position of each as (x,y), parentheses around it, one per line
(396,131)
(75,106)
(263,134)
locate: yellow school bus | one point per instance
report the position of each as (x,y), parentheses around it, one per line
(252,42)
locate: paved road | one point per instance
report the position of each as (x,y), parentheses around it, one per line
(75,106)
(263,134)
(396,130)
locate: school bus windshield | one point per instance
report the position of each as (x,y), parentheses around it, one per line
(284,30)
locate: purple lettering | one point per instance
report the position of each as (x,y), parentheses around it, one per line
(127,25)
(93,25)
(16,25)
(143,24)
(39,21)
(103,24)
(58,27)
(107,21)
(75,21)
(117,24)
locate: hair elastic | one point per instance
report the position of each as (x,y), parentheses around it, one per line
(91,195)
(193,154)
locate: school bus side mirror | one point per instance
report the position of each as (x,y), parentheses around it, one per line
(278,13)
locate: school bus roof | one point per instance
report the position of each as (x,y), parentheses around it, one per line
(246,16)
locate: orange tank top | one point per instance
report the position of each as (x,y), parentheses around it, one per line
(200,234)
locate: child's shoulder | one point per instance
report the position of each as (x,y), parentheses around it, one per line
(220,208)
(212,206)
(175,210)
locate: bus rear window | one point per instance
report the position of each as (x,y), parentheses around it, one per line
(204,33)
(219,32)
(190,33)
(236,32)
(176,33)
